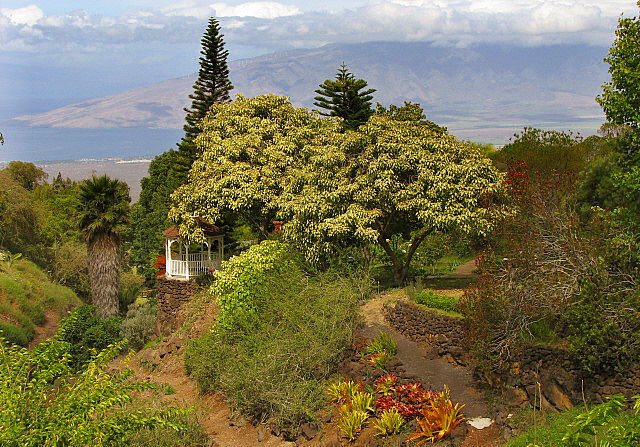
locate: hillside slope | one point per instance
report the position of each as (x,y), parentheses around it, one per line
(28,299)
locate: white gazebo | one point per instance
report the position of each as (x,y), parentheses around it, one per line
(185,261)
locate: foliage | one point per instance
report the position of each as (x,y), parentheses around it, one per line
(547,150)
(379,360)
(383,342)
(607,424)
(87,334)
(26,174)
(131,285)
(238,285)
(389,422)
(438,420)
(343,98)
(351,421)
(361,401)
(138,327)
(603,329)
(385,385)
(431,299)
(620,97)
(539,428)
(273,363)
(213,85)
(191,435)
(47,403)
(103,212)
(264,159)
(343,391)
(149,214)
(69,267)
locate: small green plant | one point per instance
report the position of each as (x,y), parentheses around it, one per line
(607,424)
(169,390)
(351,421)
(362,401)
(343,391)
(138,327)
(431,299)
(390,422)
(383,342)
(379,360)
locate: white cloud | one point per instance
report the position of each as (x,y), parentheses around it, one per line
(279,25)
(29,15)
(261,10)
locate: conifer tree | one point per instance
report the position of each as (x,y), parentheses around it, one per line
(211,87)
(170,170)
(343,98)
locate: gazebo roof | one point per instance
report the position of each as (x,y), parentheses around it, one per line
(208,228)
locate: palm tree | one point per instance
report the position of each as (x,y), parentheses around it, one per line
(103,212)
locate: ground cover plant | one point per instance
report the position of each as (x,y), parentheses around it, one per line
(48,402)
(280,340)
(435,300)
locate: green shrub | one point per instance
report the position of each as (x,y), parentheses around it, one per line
(429,298)
(46,402)
(603,330)
(138,327)
(87,334)
(239,284)
(273,362)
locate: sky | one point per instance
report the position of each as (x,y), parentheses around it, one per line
(58,52)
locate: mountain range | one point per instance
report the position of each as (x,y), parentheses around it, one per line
(481,92)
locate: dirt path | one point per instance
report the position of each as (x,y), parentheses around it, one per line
(51,322)
(419,362)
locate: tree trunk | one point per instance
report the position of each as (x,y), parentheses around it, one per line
(104,273)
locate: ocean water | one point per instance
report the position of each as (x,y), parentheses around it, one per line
(40,144)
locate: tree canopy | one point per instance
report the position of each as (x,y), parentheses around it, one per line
(265,159)
(344,98)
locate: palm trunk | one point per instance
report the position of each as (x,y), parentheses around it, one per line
(104,273)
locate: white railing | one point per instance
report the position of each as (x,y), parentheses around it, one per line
(194,264)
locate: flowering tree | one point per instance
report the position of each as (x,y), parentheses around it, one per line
(264,159)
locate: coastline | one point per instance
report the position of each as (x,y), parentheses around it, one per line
(130,171)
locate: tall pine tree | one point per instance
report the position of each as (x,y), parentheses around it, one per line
(343,98)
(211,87)
(169,170)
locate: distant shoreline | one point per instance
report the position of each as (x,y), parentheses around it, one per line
(130,171)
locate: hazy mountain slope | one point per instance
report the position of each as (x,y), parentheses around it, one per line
(460,87)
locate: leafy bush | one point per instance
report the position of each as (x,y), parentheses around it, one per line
(431,299)
(283,337)
(604,331)
(138,327)
(46,402)
(87,334)
(239,284)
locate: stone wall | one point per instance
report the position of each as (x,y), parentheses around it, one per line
(445,334)
(171,294)
(542,376)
